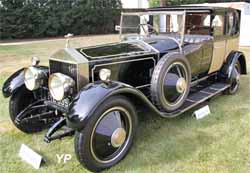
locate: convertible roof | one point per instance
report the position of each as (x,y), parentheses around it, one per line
(179,8)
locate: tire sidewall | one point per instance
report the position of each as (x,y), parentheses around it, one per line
(82,138)
(234,90)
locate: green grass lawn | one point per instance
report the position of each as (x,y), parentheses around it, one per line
(218,143)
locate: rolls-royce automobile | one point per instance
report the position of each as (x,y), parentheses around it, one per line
(169,60)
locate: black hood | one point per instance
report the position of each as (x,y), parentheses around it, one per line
(163,45)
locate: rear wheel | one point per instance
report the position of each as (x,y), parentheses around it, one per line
(234,79)
(18,102)
(108,135)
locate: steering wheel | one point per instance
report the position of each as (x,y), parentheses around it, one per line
(153,30)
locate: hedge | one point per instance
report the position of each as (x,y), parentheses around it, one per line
(45,18)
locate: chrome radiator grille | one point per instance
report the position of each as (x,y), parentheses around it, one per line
(64,68)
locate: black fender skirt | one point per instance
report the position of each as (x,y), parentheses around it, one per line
(13,83)
(91,96)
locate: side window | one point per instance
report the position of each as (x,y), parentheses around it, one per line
(233,23)
(198,23)
(230,23)
(237,22)
(218,25)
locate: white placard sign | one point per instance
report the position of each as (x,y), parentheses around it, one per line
(30,156)
(202,112)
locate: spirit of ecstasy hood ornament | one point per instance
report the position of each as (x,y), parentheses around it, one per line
(67,39)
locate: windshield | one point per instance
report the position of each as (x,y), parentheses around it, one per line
(157,23)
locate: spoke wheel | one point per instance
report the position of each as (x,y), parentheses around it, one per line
(108,135)
(175,84)
(234,79)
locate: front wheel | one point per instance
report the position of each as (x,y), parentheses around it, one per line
(18,102)
(108,135)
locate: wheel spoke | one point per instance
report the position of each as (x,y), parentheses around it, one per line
(118,118)
(178,70)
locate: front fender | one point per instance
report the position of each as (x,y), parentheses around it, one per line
(16,81)
(13,83)
(91,96)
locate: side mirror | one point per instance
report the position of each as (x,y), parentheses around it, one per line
(117,27)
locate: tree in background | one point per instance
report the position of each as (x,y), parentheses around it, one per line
(158,3)
(45,18)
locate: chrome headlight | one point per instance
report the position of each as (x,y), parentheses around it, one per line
(60,85)
(33,78)
(105,74)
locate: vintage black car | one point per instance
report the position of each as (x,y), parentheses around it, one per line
(169,60)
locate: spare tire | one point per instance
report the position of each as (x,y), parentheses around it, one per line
(170,82)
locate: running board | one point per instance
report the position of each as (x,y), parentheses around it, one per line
(198,97)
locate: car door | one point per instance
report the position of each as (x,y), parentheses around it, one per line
(232,32)
(197,30)
(219,46)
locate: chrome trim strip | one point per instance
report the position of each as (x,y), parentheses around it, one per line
(119,62)
(148,45)
(205,92)
(198,80)
(151,47)
(183,28)
(123,57)
(216,89)
(191,100)
(143,86)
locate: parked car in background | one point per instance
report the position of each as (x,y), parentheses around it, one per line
(168,61)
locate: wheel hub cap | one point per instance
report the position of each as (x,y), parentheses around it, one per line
(118,137)
(181,85)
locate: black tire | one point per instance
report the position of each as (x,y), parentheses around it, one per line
(18,101)
(83,139)
(158,77)
(235,83)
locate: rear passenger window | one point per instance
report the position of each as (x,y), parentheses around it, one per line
(237,22)
(218,25)
(232,23)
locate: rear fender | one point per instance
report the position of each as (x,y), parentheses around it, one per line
(231,60)
(91,96)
